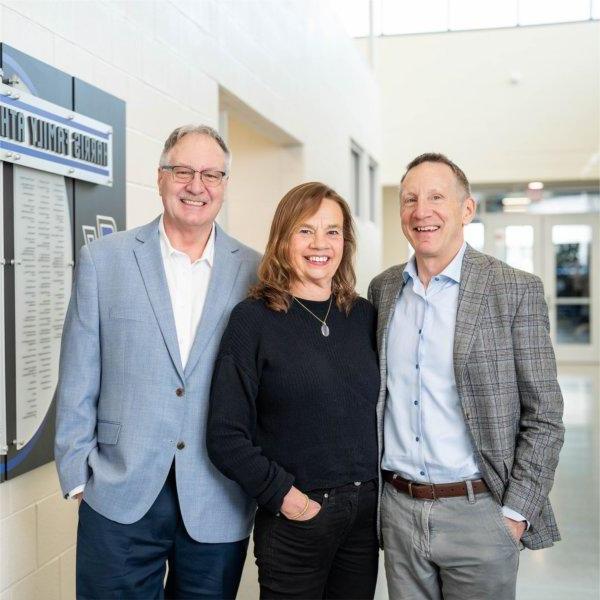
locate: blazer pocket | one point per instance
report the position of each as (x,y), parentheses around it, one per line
(108,432)
(128,313)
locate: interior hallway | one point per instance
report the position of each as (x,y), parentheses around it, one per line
(570,569)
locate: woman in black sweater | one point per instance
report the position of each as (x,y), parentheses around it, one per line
(292,414)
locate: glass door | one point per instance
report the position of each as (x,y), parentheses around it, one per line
(564,250)
(515,239)
(572,267)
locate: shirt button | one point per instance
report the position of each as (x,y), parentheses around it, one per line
(180,445)
(416,403)
(422,472)
(357,483)
(420,330)
(179,392)
(437,278)
(417,367)
(417,438)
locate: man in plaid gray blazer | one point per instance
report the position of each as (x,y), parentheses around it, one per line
(470,411)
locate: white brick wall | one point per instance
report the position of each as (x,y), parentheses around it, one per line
(286,60)
(37,538)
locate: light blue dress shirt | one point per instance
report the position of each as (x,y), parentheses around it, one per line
(426,437)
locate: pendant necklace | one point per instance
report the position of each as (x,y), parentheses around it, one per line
(324,327)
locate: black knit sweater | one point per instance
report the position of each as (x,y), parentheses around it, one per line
(290,406)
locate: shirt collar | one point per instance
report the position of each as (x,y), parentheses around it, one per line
(209,250)
(452,271)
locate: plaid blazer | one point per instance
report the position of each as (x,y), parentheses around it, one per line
(505,375)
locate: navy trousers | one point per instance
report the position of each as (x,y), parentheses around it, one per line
(129,561)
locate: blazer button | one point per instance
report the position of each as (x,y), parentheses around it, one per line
(180,445)
(179,392)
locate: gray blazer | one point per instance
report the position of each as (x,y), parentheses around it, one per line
(506,379)
(123,399)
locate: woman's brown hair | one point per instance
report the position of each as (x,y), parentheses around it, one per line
(276,273)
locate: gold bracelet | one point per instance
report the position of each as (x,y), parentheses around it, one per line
(297,516)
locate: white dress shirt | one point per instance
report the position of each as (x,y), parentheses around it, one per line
(188,284)
(426,437)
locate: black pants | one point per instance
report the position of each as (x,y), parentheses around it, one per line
(127,562)
(332,555)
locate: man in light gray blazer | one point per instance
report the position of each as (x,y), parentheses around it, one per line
(470,411)
(142,330)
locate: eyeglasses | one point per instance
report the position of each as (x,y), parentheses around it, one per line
(209,177)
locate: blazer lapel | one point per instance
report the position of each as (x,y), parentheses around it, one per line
(474,281)
(392,288)
(223,276)
(150,263)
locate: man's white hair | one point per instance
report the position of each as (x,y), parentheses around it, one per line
(184,130)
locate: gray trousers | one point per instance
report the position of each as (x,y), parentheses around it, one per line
(451,548)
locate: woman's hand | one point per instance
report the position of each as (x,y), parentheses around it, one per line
(294,502)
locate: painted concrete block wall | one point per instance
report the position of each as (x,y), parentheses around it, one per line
(288,61)
(37,538)
(452,92)
(273,169)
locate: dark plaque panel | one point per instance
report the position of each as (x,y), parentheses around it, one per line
(9,308)
(93,202)
(42,80)
(55,86)
(89,204)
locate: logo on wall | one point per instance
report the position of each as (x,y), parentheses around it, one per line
(104,226)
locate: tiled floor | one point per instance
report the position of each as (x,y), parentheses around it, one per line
(570,569)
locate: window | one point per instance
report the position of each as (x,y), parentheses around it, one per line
(355,161)
(414,17)
(372,190)
(393,17)
(481,14)
(555,198)
(474,235)
(534,12)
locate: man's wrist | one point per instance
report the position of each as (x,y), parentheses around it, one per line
(509,513)
(73,494)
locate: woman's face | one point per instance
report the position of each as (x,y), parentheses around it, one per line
(317,245)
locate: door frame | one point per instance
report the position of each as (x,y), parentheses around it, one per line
(581,353)
(544,265)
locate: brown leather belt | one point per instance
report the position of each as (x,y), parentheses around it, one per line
(432,491)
